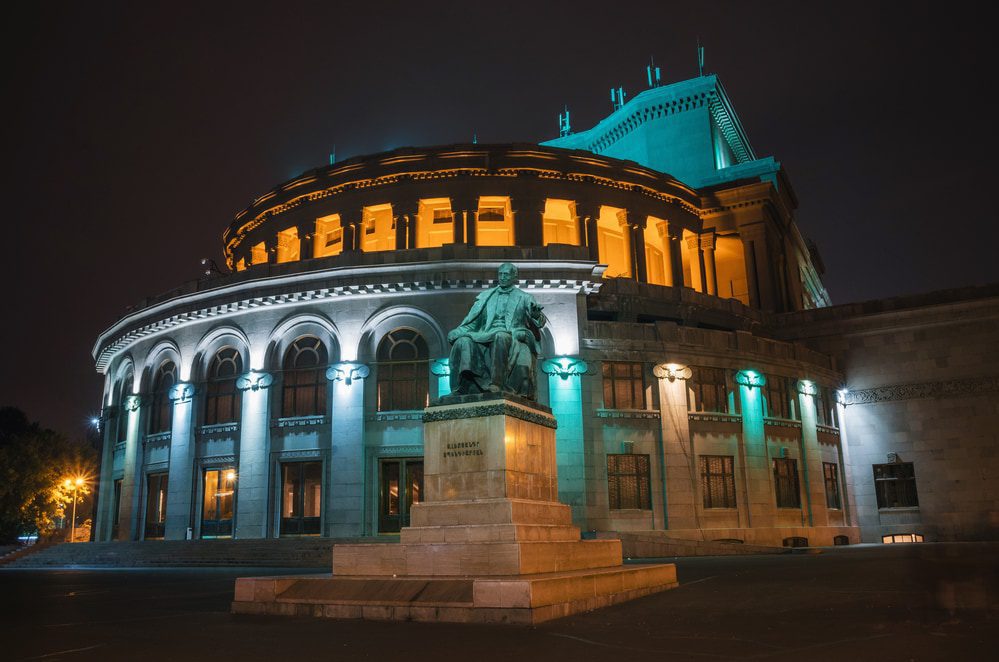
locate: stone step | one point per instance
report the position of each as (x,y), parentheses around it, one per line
(658,544)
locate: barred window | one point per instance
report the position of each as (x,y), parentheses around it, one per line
(786,483)
(403,381)
(717,481)
(161,411)
(304,380)
(895,485)
(222,400)
(830,472)
(624,385)
(628,482)
(708,389)
(778,397)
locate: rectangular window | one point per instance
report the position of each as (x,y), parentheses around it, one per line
(717,481)
(895,485)
(830,472)
(778,397)
(156,497)
(217,503)
(494,222)
(301,497)
(116,513)
(708,389)
(786,483)
(628,482)
(624,385)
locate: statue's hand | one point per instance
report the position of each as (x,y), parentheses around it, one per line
(522,336)
(453,335)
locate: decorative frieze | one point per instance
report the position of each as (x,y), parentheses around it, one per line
(300,421)
(714,417)
(158,439)
(782,423)
(218,429)
(415,415)
(649,414)
(943,389)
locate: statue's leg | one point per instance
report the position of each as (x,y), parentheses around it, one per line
(521,371)
(500,360)
(460,363)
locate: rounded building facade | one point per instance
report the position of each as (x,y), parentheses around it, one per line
(285,398)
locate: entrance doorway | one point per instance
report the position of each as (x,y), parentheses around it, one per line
(301,498)
(216,508)
(156,496)
(400,486)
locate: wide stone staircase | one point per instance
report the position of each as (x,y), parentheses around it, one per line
(275,553)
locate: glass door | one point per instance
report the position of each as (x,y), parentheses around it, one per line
(156,496)
(301,498)
(400,486)
(217,505)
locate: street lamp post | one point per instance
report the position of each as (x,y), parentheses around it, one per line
(76,485)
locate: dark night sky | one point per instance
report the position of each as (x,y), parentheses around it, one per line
(136,132)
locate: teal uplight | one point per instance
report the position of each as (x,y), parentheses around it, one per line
(441,368)
(807,387)
(347,372)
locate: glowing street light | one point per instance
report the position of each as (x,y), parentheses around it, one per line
(76,484)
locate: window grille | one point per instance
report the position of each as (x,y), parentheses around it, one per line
(222,401)
(778,397)
(624,385)
(403,381)
(628,482)
(161,410)
(708,389)
(304,380)
(830,473)
(717,481)
(786,483)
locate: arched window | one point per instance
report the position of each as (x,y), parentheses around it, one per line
(124,390)
(222,400)
(402,371)
(160,414)
(304,392)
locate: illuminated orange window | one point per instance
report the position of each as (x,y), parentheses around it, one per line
(241,264)
(613,242)
(258,254)
(560,223)
(494,222)
(434,223)
(329,236)
(288,245)
(657,266)
(377,229)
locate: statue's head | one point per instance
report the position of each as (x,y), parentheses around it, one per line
(507,274)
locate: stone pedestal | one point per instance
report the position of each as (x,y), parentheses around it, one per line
(491,542)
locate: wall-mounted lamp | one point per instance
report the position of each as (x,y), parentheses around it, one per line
(347,372)
(564,366)
(750,378)
(181,392)
(254,380)
(842,396)
(672,371)
(807,387)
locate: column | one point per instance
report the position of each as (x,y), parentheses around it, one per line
(754,456)
(350,221)
(760,276)
(588,215)
(565,397)
(105,493)
(678,466)
(180,482)
(664,245)
(463,211)
(270,245)
(527,220)
(846,473)
(405,224)
(675,234)
(811,459)
(345,498)
(710,270)
(131,484)
(638,266)
(253,470)
(306,235)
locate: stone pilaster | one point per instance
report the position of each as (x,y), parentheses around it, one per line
(697,279)
(755,458)
(345,498)
(677,479)
(131,484)
(811,459)
(675,234)
(565,397)
(708,257)
(105,494)
(528,228)
(253,470)
(588,214)
(180,482)
(638,269)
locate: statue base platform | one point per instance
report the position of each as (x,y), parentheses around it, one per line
(491,543)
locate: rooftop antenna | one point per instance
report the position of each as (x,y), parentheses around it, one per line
(475,139)
(333,155)
(700,58)
(617,97)
(652,72)
(564,129)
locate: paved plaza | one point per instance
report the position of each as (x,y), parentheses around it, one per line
(896,602)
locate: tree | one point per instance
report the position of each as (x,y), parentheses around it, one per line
(34,464)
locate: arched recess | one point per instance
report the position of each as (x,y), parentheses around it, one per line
(300,349)
(212,342)
(296,326)
(162,371)
(381,323)
(164,350)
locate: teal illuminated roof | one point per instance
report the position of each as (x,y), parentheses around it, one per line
(687,129)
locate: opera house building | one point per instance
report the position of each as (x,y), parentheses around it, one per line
(704,385)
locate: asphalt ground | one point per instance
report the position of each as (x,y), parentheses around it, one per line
(891,602)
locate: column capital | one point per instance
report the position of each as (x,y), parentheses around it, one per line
(347,372)
(807,387)
(750,378)
(133,402)
(672,371)
(708,240)
(565,366)
(181,392)
(254,380)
